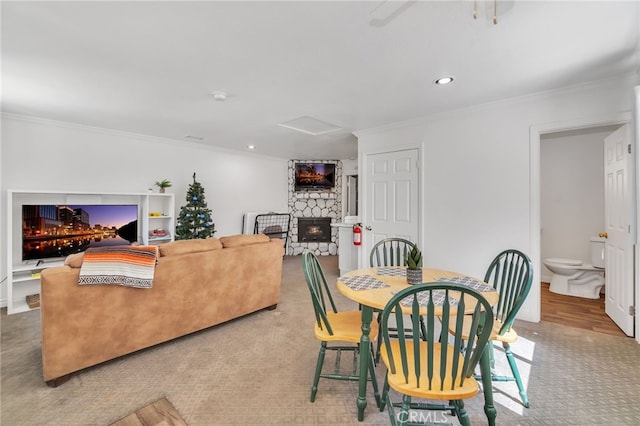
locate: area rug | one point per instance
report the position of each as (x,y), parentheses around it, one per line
(159,413)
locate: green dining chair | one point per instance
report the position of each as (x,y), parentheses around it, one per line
(511,274)
(434,367)
(390,252)
(333,326)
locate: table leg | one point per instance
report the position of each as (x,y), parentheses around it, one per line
(365,349)
(487,386)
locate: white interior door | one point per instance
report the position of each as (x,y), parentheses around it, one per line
(392,197)
(619,211)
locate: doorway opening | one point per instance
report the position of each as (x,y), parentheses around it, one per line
(572,212)
(574,247)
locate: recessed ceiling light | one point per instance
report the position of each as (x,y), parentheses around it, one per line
(219,96)
(443,80)
(251,146)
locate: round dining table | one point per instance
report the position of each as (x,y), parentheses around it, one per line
(373,287)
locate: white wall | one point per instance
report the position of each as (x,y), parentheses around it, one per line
(45,155)
(571,193)
(476,172)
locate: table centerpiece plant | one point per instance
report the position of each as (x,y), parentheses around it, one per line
(414,266)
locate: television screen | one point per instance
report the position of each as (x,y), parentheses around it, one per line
(50,231)
(310,176)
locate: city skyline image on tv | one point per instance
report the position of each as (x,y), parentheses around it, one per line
(59,230)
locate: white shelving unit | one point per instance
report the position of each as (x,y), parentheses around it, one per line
(160,223)
(23,277)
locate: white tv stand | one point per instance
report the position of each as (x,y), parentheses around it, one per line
(23,277)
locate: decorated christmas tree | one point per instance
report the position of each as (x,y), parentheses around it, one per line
(195,220)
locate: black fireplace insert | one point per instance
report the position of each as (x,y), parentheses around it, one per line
(314,229)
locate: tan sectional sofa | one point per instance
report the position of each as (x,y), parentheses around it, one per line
(196,284)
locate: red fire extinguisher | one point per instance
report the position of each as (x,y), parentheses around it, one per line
(357,235)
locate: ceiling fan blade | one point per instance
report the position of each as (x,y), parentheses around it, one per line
(388,11)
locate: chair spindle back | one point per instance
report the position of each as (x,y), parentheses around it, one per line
(427,360)
(511,274)
(320,293)
(390,252)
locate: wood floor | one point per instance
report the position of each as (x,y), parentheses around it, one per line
(159,413)
(576,312)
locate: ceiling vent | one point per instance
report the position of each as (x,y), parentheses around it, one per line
(310,126)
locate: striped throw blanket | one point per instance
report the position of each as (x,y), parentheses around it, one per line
(130,266)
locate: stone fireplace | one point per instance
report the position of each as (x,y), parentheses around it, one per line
(315,229)
(324,205)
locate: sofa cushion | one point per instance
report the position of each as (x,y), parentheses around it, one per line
(243,240)
(74,260)
(189,246)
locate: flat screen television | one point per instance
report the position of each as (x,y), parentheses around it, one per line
(314,176)
(55,231)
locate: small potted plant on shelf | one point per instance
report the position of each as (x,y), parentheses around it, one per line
(165,183)
(414,266)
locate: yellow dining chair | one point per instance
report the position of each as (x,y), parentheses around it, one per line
(432,367)
(333,326)
(511,274)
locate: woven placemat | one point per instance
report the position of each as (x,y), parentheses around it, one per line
(468,282)
(363,282)
(423,299)
(393,272)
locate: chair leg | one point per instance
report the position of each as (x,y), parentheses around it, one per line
(516,374)
(404,413)
(316,379)
(391,411)
(374,380)
(379,343)
(385,394)
(423,328)
(492,356)
(461,412)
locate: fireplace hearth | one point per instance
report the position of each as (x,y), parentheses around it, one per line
(314,229)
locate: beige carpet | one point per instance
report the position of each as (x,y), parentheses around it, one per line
(257,371)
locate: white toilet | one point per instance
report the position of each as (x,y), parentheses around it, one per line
(574,278)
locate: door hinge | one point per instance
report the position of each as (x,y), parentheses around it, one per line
(629,148)
(632,311)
